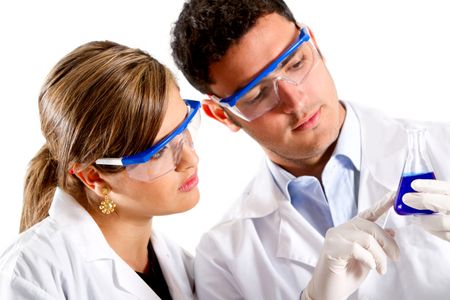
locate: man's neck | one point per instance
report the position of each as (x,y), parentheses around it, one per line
(309,167)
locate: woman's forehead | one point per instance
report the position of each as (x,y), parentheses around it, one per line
(175,112)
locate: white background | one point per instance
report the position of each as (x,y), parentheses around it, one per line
(389,54)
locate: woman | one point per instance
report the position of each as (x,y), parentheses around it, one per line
(118,151)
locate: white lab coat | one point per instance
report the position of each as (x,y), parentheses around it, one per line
(67,257)
(264,249)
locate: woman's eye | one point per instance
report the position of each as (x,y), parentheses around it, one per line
(159,154)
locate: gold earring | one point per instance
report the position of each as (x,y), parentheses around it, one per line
(107,206)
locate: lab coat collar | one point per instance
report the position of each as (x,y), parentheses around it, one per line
(89,240)
(384,147)
(178,283)
(71,216)
(176,280)
(349,141)
(260,198)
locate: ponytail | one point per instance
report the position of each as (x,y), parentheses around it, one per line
(40,185)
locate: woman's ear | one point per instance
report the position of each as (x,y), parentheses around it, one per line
(215,111)
(92,180)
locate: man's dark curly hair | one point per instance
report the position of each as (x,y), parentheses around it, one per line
(206,29)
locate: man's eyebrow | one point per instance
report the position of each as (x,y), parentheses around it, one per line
(281,64)
(288,58)
(284,62)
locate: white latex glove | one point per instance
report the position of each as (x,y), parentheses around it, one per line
(349,252)
(433,195)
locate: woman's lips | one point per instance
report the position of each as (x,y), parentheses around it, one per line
(189,184)
(309,122)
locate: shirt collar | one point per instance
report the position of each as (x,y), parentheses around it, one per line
(348,145)
(349,141)
(280,176)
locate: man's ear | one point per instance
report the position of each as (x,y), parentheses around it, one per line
(92,180)
(215,111)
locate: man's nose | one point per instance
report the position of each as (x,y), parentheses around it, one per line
(289,93)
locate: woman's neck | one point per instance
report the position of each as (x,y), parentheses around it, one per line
(128,238)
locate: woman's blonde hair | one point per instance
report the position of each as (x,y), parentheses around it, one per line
(101,100)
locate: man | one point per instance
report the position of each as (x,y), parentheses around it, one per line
(327,161)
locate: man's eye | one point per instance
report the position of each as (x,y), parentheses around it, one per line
(257,98)
(297,65)
(298,62)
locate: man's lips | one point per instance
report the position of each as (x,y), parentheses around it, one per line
(308,122)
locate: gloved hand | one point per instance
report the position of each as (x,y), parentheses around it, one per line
(433,195)
(349,252)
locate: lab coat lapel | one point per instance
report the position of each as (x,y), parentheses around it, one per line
(384,148)
(129,281)
(297,239)
(436,148)
(176,280)
(98,250)
(260,198)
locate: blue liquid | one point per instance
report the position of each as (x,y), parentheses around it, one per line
(405,187)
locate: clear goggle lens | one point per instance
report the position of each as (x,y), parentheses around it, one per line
(261,95)
(168,157)
(264,96)
(163,161)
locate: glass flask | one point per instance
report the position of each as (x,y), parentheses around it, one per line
(417,166)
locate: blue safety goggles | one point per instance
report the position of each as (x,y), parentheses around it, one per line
(163,156)
(230,102)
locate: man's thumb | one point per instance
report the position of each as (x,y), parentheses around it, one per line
(372,214)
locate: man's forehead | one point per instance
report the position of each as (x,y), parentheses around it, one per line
(270,36)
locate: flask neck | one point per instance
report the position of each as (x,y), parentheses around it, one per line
(417,161)
(415,142)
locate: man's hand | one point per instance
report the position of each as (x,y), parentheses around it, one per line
(350,251)
(433,195)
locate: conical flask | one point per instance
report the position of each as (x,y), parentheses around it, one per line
(417,166)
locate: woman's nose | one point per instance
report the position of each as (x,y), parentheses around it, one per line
(188,157)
